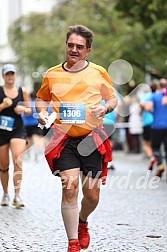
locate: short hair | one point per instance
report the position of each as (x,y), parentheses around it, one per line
(83,31)
(162,82)
(153,86)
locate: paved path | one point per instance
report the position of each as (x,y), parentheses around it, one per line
(133,206)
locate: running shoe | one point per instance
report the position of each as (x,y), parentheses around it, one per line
(17,202)
(83,235)
(73,246)
(5,200)
(111,167)
(152,163)
(160,170)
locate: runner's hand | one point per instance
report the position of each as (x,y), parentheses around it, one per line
(99,111)
(7,102)
(42,117)
(19,109)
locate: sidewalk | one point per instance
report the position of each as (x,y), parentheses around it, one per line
(131,216)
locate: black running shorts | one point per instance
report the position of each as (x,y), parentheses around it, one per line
(147,133)
(6,136)
(87,158)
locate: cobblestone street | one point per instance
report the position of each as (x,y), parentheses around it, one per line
(131,215)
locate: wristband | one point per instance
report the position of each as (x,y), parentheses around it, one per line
(107,109)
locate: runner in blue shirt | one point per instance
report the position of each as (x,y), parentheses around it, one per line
(159,125)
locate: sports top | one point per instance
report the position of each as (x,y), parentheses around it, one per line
(73,93)
(9,112)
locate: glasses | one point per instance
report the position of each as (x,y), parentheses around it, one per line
(78,47)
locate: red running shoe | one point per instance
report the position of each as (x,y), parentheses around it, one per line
(160,170)
(152,163)
(83,235)
(73,246)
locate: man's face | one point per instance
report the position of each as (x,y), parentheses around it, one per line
(9,77)
(76,49)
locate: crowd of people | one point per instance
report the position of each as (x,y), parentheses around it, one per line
(83,132)
(157,105)
(146,123)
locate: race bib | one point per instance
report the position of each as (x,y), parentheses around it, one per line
(72,113)
(6,123)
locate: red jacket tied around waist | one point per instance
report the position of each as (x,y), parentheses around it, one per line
(54,148)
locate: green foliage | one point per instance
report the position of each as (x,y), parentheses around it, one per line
(135,31)
(151,15)
(147,12)
(35,44)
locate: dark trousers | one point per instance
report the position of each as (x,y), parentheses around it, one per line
(158,137)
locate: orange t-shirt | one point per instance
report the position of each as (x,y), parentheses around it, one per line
(86,87)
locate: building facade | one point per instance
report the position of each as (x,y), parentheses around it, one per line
(11,10)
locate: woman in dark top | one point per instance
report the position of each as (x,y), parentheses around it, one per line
(13,102)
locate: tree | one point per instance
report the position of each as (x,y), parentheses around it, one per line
(112,34)
(152,17)
(148,12)
(120,32)
(33,40)
(37,38)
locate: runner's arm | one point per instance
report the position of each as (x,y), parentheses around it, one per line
(7,102)
(27,104)
(42,109)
